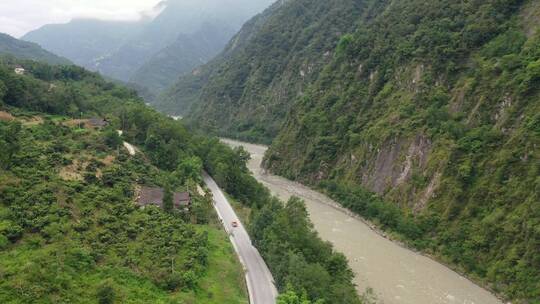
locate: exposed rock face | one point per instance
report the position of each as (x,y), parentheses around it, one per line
(392,166)
(428,194)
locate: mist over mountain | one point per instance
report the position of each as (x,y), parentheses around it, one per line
(85,41)
(188,50)
(136,50)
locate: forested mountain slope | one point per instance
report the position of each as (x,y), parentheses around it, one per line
(427,121)
(69,226)
(27,50)
(247,90)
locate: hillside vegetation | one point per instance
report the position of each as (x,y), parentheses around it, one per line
(69,228)
(426,121)
(420,116)
(188,51)
(71,231)
(84,41)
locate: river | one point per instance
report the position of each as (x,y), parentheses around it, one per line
(397,275)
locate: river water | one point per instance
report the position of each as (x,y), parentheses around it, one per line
(397,275)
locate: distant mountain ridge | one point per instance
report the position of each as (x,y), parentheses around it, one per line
(28,50)
(85,41)
(147,52)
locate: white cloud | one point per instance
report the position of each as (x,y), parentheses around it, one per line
(17,17)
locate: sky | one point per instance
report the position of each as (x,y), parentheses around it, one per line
(17,17)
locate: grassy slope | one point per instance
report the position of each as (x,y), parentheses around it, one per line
(223,282)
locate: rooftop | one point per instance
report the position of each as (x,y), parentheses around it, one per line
(98,122)
(154,196)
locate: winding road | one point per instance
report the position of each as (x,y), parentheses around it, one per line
(259,280)
(396,274)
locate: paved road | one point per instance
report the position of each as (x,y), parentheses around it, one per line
(259,279)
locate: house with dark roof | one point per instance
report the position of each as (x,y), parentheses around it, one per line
(97,122)
(153,196)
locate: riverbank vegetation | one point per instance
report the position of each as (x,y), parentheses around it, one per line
(420,116)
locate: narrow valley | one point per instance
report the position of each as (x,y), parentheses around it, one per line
(270,152)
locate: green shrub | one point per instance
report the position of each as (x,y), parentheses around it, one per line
(105,293)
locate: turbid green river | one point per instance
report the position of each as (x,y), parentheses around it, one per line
(396,275)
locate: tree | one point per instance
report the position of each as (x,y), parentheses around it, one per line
(3,91)
(168,204)
(9,143)
(4,242)
(291,297)
(242,155)
(105,293)
(189,169)
(112,138)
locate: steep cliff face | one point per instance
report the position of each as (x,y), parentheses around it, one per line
(435,109)
(249,88)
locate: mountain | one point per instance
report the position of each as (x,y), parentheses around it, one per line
(85,41)
(426,121)
(27,50)
(145,51)
(187,52)
(246,91)
(422,117)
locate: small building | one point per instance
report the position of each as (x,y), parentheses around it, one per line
(153,196)
(19,70)
(97,123)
